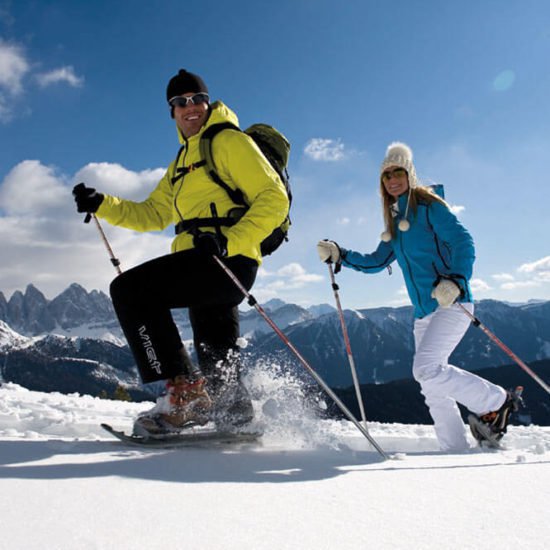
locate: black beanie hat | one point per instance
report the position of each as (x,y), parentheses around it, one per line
(184,83)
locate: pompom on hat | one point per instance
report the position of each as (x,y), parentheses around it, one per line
(401,155)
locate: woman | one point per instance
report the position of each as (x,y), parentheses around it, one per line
(436,255)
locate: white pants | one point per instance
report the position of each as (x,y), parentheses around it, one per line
(443,385)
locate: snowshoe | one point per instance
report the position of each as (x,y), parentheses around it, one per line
(191,438)
(491,427)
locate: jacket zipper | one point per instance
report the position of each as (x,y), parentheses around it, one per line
(410,272)
(436,239)
(180,183)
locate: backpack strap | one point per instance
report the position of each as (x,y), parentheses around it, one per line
(205,147)
(176,177)
(184,170)
(195,224)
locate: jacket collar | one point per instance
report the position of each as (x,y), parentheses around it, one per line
(219,112)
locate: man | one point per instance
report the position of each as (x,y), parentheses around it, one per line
(190,277)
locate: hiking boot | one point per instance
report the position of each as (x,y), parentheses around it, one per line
(233,410)
(497,421)
(186,403)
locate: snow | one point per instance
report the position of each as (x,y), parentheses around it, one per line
(311,484)
(10,338)
(96,332)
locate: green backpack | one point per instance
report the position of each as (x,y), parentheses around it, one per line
(276,150)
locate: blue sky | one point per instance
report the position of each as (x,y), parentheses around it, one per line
(464,83)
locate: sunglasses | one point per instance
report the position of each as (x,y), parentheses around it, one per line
(396,172)
(183,101)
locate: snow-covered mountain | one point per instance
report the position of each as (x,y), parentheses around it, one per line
(383,347)
(379,355)
(57,363)
(31,314)
(283,314)
(9,338)
(77,312)
(381,339)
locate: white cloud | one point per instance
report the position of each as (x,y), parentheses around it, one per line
(298,275)
(531,275)
(288,278)
(327,150)
(457,209)
(264,294)
(479,285)
(539,266)
(343,221)
(13,67)
(263,273)
(63,74)
(538,273)
(401,299)
(291,270)
(519,285)
(503,277)
(46,242)
(32,188)
(117,180)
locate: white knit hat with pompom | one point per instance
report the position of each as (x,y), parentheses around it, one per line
(400,154)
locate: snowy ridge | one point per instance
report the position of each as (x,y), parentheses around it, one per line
(10,339)
(97,332)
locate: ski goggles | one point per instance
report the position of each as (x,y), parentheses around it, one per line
(183,101)
(396,172)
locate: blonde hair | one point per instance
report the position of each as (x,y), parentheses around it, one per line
(418,193)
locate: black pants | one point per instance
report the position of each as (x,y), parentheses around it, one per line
(143,297)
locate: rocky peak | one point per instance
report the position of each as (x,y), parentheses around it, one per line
(75,306)
(3,307)
(16,310)
(32,313)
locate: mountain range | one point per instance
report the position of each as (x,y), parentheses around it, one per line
(382,341)
(73,343)
(77,312)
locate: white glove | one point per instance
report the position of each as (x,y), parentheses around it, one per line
(446,292)
(328,251)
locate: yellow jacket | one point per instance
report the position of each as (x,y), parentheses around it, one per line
(239,163)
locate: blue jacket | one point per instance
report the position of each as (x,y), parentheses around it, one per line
(436,244)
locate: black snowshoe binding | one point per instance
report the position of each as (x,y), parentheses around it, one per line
(489,428)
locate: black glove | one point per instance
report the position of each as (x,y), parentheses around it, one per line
(210,244)
(87,199)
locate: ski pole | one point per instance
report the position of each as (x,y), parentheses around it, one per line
(253,302)
(335,288)
(477,323)
(114,260)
